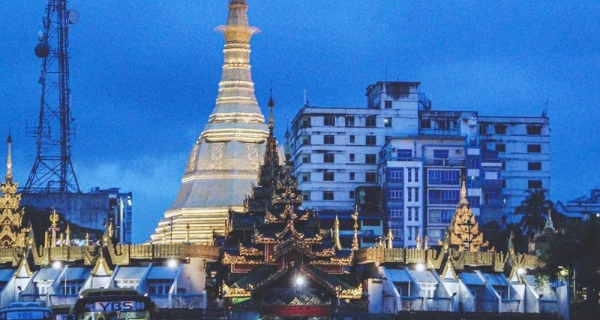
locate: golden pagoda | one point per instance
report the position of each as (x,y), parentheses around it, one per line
(464,229)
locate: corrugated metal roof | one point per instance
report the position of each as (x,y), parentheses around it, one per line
(495,279)
(130,272)
(47,274)
(162,272)
(423,276)
(470,278)
(399,275)
(77,273)
(6,274)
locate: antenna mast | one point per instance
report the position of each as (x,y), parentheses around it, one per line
(53,170)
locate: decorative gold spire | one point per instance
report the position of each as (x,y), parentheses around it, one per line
(419,242)
(68,233)
(426,243)
(111,229)
(336,233)
(9,175)
(390,238)
(464,229)
(355,237)
(54,227)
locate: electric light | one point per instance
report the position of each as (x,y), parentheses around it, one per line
(299,281)
(521,271)
(172,263)
(420,267)
(56,265)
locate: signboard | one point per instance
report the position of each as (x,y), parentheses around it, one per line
(110,306)
(23,314)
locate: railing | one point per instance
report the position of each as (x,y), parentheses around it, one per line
(439,304)
(445,162)
(486,305)
(509,305)
(548,306)
(65,299)
(188,301)
(411,304)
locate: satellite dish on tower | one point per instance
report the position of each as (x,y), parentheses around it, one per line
(42,50)
(73,16)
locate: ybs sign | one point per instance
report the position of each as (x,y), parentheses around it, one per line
(109,306)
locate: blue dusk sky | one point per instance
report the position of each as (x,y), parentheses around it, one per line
(144,76)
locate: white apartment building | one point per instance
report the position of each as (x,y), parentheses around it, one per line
(398,137)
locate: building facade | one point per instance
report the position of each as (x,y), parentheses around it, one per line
(417,157)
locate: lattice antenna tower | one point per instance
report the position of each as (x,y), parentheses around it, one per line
(53,170)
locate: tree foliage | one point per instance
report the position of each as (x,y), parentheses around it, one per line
(535,209)
(576,250)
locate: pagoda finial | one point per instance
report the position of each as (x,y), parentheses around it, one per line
(288,150)
(9,175)
(419,242)
(511,246)
(68,233)
(336,233)
(389,238)
(549,227)
(271,116)
(426,243)
(463,193)
(355,237)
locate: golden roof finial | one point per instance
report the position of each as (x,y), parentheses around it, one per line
(419,242)
(355,237)
(87,238)
(426,243)
(9,175)
(389,238)
(463,193)
(68,232)
(336,233)
(54,217)
(110,228)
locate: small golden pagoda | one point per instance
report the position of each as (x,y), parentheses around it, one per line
(464,229)
(11,219)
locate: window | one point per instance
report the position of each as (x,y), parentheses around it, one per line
(351,194)
(500,128)
(329,120)
(328,195)
(417,175)
(534,184)
(371,121)
(328,158)
(387,122)
(440,156)
(409,174)
(503,165)
(416,194)
(409,194)
(371,177)
(404,154)
(483,128)
(500,147)
(305,140)
(305,196)
(388,104)
(306,158)
(395,213)
(352,176)
(425,123)
(349,121)
(534,148)
(445,177)
(416,213)
(443,196)
(352,157)
(371,158)
(305,177)
(305,122)
(327,176)
(409,211)
(371,140)
(329,139)
(440,215)
(534,166)
(395,174)
(395,194)
(352,138)
(534,130)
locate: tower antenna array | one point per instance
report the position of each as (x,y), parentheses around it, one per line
(53,170)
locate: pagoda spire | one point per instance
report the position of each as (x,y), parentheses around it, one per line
(336,233)
(271,156)
(236,115)
(9,175)
(355,236)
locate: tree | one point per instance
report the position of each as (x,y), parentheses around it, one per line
(574,249)
(534,209)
